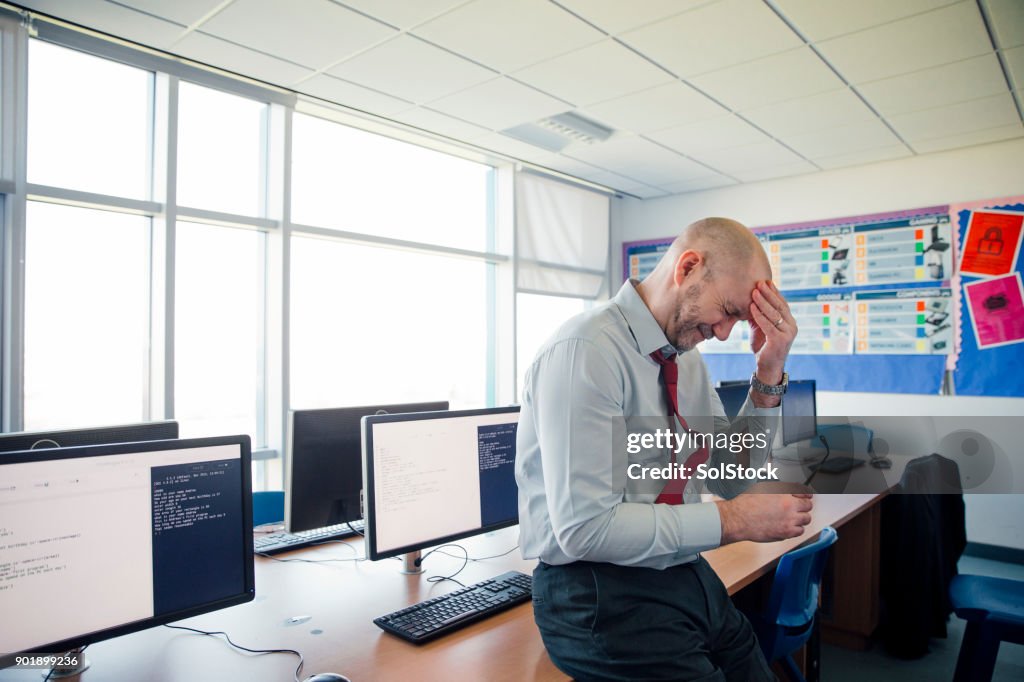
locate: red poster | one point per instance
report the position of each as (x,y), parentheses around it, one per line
(992,243)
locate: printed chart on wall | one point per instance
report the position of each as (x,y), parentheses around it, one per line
(990,358)
(872,295)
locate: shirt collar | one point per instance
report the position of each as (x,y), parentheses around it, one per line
(647,333)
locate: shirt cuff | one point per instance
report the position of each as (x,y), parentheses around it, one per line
(703,528)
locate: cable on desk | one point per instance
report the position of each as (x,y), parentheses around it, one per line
(298,668)
(482,558)
(442,578)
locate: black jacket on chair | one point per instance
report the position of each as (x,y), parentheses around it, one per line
(923,536)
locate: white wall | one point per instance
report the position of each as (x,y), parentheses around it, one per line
(982,172)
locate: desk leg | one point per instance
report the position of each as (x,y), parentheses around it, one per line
(853,615)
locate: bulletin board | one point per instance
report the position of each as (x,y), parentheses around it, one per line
(875,297)
(990,361)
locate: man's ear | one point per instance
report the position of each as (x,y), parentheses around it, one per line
(685,264)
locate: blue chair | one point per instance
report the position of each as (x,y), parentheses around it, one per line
(267,507)
(788,621)
(994,611)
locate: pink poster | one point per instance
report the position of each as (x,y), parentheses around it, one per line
(997,310)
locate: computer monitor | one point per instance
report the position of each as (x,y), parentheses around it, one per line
(100,541)
(124,433)
(733,394)
(437,477)
(799,412)
(325,463)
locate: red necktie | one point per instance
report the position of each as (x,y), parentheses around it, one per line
(672,493)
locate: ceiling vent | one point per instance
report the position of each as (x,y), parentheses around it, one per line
(555,133)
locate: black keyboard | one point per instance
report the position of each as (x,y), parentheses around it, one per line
(447,613)
(275,543)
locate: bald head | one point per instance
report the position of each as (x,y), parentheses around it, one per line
(725,245)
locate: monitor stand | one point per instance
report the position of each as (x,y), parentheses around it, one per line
(411,564)
(69,672)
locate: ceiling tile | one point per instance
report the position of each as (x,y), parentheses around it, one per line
(767,154)
(966,117)
(352,95)
(776,78)
(1007,18)
(821,19)
(640,159)
(996,134)
(594,73)
(185,12)
(714,133)
(616,16)
(1015,63)
(896,151)
(970,79)
(225,55)
(314,33)
(609,179)
(500,103)
(409,68)
(697,184)
(785,170)
(503,144)
(854,138)
(647,192)
(817,112)
(439,123)
(113,19)
(509,35)
(713,37)
(400,13)
(661,107)
(564,164)
(942,36)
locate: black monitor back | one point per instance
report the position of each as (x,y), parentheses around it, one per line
(124,433)
(325,463)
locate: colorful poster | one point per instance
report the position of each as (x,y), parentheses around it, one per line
(997,310)
(991,243)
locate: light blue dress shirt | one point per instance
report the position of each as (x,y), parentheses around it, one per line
(575,501)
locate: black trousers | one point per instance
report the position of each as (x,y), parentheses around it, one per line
(607,622)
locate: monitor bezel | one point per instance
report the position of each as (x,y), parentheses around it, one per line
(368,422)
(334,412)
(814,393)
(84,451)
(149,431)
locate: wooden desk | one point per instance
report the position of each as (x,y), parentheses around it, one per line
(341,599)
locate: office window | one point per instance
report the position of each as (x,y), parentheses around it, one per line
(86,317)
(218,330)
(356,181)
(221,151)
(89,122)
(537,318)
(374,325)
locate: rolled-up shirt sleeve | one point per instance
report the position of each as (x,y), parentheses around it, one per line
(574,395)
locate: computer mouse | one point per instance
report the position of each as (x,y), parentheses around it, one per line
(326,677)
(881,463)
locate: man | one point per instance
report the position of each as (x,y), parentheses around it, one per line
(621,592)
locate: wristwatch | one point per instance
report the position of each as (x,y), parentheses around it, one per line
(770,390)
